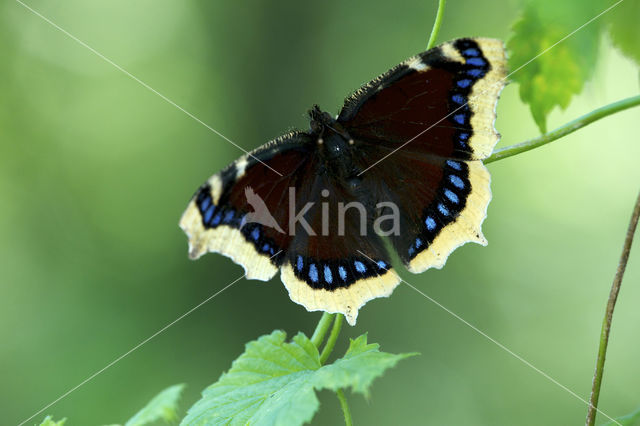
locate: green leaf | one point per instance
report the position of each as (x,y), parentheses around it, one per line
(163,406)
(49,422)
(273,382)
(632,419)
(358,368)
(552,78)
(624,29)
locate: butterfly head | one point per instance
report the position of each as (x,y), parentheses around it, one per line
(319,120)
(326,129)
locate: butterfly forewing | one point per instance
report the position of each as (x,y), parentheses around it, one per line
(427,123)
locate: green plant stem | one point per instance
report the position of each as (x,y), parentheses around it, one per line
(345,408)
(333,337)
(326,351)
(321,329)
(564,130)
(608,316)
(436,25)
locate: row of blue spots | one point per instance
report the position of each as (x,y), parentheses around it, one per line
(415,246)
(317,272)
(474,69)
(212,216)
(475,61)
(254,234)
(205,205)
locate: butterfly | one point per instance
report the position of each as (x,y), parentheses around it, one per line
(406,148)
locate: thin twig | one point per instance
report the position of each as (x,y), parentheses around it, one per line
(606,323)
(436,25)
(564,130)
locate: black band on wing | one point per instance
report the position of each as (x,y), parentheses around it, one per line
(339,273)
(214,216)
(450,200)
(476,66)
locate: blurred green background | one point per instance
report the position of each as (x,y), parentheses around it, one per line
(95,172)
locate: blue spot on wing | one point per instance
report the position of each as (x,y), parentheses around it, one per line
(475,72)
(328,276)
(431,224)
(360,266)
(456,181)
(443,210)
(479,62)
(454,165)
(464,136)
(451,196)
(299,263)
(208,213)
(464,83)
(459,118)
(255,234)
(472,51)
(313,273)
(216,219)
(342,272)
(382,264)
(228,216)
(205,204)
(459,99)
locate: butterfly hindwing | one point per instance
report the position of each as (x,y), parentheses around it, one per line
(342,263)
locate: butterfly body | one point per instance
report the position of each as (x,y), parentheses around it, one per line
(402,160)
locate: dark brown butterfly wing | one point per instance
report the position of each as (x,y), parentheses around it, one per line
(442,103)
(216,218)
